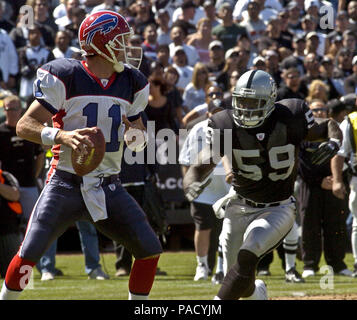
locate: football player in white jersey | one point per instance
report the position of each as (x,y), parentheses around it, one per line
(107,91)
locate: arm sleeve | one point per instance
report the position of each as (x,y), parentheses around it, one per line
(346,148)
(140,102)
(49,91)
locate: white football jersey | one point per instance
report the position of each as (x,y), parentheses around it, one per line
(78,99)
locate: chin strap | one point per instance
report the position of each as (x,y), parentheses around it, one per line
(118,66)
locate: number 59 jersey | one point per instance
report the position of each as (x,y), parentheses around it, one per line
(264,159)
(78,99)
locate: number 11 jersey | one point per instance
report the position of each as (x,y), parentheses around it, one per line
(78,99)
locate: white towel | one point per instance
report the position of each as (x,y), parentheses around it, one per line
(220,203)
(94,197)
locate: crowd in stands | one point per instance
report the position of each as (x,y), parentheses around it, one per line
(195,50)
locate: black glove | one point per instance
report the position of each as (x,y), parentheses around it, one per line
(325,152)
(195,189)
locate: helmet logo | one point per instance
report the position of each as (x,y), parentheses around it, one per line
(104,24)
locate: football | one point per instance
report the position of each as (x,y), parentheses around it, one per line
(83,164)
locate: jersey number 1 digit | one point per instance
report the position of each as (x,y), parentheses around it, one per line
(91,112)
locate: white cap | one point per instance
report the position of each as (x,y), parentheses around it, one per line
(215,43)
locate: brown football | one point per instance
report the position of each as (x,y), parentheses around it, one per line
(83,164)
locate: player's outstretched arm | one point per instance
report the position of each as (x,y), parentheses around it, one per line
(32,123)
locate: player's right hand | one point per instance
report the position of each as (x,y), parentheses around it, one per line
(76,139)
(195,189)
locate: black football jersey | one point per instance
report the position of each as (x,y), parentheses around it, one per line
(264,159)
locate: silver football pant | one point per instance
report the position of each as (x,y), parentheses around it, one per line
(254,229)
(352,204)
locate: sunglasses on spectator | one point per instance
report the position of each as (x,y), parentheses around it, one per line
(292,76)
(319,110)
(211,94)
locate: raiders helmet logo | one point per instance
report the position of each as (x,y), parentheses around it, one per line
(260,136)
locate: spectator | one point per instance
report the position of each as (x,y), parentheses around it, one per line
(352,14)
(272,65)
(227,96)
(201,39)
(317,90)
(228,31)
(19,35)
(294,22)
(143,16)
(31,58)
(341,25)
(287,35)
(349,41)
(254,26)
(291,85)
(188,12)
(10,208)
(338,109)
(9,65)
(194,93)
(171,77)
(160,109)
(296,60)
(312,67)
(214,93)
(216,59)
(23,158)
(156,69)
(180,63)
(322,215)
(335,85)
(107,5)
(78,15)
(309,26)
(312,43)
(268,8)
(199,11)
(210,11)
(178,36)
(163,55)
(273,31)
(63,48)
(351,81)
(150,44)
(5,23)
(43,17)
(135,42)
(162,19)
(233,58)
(343,67)
(66,20)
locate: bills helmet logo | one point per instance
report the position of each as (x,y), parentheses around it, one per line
(104,24)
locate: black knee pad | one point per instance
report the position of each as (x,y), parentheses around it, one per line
(247,263)
(239,281)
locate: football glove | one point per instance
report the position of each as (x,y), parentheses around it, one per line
(325,152)
(195,189)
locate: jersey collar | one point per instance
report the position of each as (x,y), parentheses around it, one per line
(110,80)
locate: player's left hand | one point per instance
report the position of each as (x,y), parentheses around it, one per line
(195,189)
(325,152)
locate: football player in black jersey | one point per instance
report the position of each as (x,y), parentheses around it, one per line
(260,208)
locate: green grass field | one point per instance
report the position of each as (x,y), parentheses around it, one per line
(178,284)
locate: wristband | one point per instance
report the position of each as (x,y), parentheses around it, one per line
(48,135)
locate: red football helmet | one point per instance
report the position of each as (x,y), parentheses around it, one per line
(107,33)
